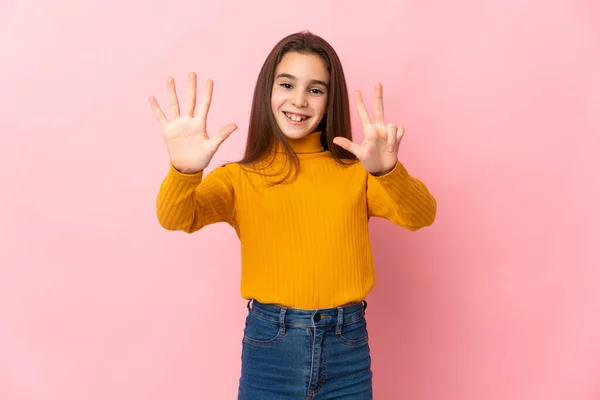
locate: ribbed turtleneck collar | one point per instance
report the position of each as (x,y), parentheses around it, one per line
(310,143)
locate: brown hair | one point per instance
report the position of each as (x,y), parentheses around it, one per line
(263,132)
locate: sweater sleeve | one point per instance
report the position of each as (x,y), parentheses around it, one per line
(400,198)
(187,202)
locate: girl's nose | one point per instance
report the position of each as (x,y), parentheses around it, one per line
(300,99)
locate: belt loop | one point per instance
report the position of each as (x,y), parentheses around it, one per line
(282,320)
(340,321)
(365,306)
(248,306)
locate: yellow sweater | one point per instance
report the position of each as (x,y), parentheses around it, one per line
(304,244)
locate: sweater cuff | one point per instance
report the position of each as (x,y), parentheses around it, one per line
(188,178)
(399,171)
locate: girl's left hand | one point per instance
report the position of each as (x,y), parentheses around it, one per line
(379,150)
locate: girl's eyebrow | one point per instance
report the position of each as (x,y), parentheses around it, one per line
(313,81)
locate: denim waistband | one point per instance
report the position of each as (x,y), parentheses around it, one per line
(339,316)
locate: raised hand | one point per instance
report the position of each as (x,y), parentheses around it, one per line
(189,146)
(379,150)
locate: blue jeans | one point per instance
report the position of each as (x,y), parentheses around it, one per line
(289,353)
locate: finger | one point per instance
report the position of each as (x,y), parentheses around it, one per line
(348,145)
(379,104)
(158,112)
(172,96)
(190,105)
(399,134)
(362,110)
(224,133)
(391,137)
(204,105)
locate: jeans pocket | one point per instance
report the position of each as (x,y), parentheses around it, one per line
(261,332)
(354,333)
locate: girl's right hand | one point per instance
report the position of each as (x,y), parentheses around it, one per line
(188,144)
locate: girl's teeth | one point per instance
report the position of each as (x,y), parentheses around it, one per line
(295,118)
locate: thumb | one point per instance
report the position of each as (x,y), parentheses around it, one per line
(224,133)
(346,144)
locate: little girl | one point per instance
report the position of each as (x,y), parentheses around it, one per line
(300,202)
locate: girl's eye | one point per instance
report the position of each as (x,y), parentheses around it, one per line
(289,86)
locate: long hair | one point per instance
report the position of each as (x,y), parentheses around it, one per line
(264,134)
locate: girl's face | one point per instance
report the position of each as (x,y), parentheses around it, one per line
(299,95)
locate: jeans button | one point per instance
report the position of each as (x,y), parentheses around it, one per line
(317,317)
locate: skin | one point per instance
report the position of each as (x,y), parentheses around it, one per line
(299,88)
(378,152)
(189,145)
(191,148)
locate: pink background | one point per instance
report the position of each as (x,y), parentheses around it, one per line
(501,104)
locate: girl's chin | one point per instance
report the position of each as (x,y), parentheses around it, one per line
(295,135)
(296,132)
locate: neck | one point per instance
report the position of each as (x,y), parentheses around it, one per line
(308,144)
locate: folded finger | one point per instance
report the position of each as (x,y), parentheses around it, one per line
(399,134)
(391,137)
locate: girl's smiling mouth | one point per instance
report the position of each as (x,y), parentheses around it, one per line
(294,117)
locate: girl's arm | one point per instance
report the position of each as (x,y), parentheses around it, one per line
(400,198)
(391,192)
(185,201)
(188,202)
